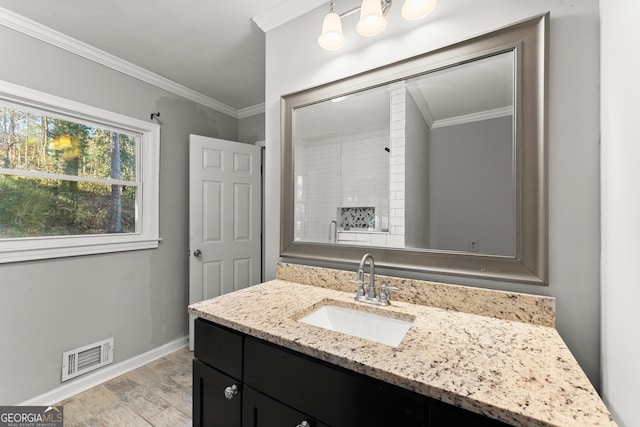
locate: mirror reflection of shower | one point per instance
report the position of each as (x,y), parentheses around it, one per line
(425,162)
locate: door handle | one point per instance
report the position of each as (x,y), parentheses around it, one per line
(197,253)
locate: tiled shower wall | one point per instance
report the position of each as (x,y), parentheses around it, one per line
(365,172)
(397,166)
(317,189)
(340,171)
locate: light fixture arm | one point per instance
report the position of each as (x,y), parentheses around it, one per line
(386,6)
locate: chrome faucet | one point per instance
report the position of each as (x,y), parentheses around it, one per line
(370,296)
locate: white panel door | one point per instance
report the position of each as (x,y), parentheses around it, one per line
(224,218)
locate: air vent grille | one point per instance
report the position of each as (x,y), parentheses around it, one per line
(87,358)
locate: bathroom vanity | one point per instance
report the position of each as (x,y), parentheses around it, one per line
(243,381)
(471,357)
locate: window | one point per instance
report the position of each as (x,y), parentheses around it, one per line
(74,179)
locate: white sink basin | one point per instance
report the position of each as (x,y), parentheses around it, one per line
(370,326)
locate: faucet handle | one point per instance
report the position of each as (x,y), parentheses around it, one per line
(384,293)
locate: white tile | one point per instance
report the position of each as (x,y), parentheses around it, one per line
(342,235)
(395,241)
(379,240)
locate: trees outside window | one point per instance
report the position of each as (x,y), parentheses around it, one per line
(87,181)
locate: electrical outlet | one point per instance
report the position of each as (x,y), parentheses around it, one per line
(473,245)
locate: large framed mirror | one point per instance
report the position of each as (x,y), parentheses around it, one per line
(436,163)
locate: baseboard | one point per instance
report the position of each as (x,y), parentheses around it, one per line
(103,375)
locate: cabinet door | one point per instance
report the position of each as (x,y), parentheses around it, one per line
(211,407)
(259,410)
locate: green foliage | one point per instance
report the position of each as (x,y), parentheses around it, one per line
(24,205)
(26,143)
(31,207)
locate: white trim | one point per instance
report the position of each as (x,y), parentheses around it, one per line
(35,99)
(147,237)
(474,117)
(103,375)
(285,12)
(422,105)
(74,246)
(47,175)
(251,111)
(48,35)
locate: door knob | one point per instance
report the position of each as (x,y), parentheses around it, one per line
(197,253)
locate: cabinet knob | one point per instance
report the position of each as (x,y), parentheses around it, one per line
(231,392)
(304,424)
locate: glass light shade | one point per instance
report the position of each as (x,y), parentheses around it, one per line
(331,37)
(371,21)
(416,9)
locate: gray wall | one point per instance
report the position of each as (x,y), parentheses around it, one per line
(574,236)
(416,189)
(138,297)
(471,177)
(251,129)
(620,209)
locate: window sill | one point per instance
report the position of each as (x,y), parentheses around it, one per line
(18,250)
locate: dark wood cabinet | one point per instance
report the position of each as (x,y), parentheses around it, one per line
(336,396)
(442,415)
(219,347)
(211,407)
(259,410)
(278,387)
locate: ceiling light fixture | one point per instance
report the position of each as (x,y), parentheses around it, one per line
(372,19)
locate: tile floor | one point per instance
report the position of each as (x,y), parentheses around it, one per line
(157,394)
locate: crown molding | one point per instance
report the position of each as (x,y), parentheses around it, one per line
(285,12)
(251,111)
(474,117)
(48,35)
(421,103)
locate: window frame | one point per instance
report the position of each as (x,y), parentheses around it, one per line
(147,234)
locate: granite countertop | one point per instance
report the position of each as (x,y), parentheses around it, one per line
(491,352)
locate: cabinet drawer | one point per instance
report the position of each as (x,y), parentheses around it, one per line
(219,347)
(328,393)
(259,410)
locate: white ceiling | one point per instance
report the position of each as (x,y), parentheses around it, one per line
(478,90)
(217,49)
(209,46)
